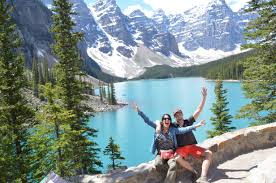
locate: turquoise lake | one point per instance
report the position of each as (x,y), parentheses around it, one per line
(156,97)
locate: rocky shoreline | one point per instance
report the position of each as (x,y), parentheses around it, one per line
(93,102)
(99,106)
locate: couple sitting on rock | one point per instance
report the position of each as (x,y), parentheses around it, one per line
(175,141)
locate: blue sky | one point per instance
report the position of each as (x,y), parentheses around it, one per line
(169,6)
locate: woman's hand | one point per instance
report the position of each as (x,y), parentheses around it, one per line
(135,107)
(201,123)
(158,127)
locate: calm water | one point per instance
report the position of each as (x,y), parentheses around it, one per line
(156,97)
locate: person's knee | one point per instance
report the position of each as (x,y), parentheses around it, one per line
(172,164)
(178,158)
(158,163)
(208,154)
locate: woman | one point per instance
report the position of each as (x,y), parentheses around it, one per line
(165,144)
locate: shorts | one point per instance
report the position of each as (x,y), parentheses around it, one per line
(193,150)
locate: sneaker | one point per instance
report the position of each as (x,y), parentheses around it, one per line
(202,180)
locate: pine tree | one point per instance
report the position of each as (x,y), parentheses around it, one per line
(259,75)
(104,91)
(15,115)
(101,91)
(35,74)
(45,70)
(52,75)
(113,151)
(222,119)
(92,90)
(50,142)
(41,74)
(109,94)
(84,151)
(113,98)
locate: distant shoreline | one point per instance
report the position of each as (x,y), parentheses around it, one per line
(226,80)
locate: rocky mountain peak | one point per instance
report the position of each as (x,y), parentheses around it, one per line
(115,41)
(106,5)
(136,13)
(159,12)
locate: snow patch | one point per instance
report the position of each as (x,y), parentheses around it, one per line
(115,64)
(40,53)
(202,55)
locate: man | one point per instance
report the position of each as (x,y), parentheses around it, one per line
(186,142)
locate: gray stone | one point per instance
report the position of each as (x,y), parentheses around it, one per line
(265,171)
(228,146)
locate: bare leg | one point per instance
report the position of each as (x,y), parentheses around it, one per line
(184,163)
(206,163)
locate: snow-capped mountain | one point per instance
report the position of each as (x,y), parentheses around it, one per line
(118,42)
(146,32)
(206,26)
(130,37)
(161,21)
(245,17)
(212,26)
(115,24)
(85,22)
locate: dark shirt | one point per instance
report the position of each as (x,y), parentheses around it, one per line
(187,138)
(164,142)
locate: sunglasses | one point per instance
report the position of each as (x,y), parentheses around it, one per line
(166,118)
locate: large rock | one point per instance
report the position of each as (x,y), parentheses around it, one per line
(265,171)
(224,147)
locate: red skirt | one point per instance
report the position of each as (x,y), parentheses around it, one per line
(193,150)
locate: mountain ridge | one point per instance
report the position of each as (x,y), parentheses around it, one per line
(112,38)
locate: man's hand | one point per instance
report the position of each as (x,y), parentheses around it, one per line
(204,91)
(202,102)
(135,107)
(201,123)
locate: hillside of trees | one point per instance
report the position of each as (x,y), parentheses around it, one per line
(229,68)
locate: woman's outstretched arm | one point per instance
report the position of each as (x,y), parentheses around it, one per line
(145,118)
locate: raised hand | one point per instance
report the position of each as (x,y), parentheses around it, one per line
(204,91)
(135,107)
(201,123)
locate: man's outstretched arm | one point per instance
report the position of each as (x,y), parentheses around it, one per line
(202,103)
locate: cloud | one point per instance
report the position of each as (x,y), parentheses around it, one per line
(131,8)
(236,5)
(179,6)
